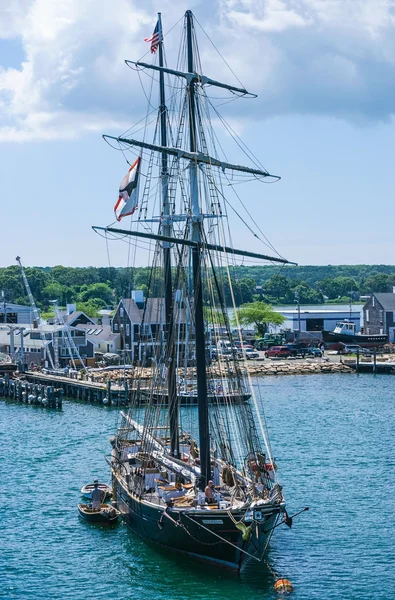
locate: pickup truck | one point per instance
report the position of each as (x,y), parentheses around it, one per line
(300,350)
(278,352)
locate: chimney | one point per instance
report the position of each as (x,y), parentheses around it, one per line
(138,297)
(70,308)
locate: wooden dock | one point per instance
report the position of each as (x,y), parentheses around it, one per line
(371,366)
(31,393)
(107,394)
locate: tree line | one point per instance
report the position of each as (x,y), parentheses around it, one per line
(93,288)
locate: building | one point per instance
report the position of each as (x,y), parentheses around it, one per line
(312,321)
(15,313)
(39,343)
(379,315)
(139,322)
(103,338)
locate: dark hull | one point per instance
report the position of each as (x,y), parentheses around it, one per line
(7,368)
(182,533)
(192,399)
(366,341)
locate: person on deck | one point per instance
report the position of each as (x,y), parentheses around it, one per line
(208,492)
(96,496)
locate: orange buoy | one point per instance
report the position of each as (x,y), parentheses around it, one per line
(284,586)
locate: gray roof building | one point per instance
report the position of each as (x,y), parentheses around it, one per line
(379,315)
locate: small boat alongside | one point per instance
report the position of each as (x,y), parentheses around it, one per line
(106,490)
(107,515)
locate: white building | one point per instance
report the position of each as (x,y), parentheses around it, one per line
(311,322)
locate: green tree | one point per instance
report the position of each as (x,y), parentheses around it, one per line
(259,314)
(96,291)
(307,295)
(277,289)
(379,282)
(54,291)
(337,286)
(91,307)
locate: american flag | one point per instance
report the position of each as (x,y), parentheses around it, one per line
(155,38)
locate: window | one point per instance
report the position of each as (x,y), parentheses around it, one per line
(381,331)
(127,329)
(373,301)
(121,312)
(381,316)
(116,327)
(367,316)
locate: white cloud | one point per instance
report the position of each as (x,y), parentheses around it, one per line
(334,57)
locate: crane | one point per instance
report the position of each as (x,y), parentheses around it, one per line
(72,348)
(36,313)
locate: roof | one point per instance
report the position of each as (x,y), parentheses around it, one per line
(10,306)
(154,311)
(132,309)
(99,332)
(387,301)
(69,319)
(27,342)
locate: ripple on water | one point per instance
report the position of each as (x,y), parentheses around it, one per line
(333,441)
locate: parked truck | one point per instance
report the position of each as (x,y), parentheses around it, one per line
(269,340)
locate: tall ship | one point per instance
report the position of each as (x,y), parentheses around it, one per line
(201,481)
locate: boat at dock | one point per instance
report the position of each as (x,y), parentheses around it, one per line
(201,482)
(345,333)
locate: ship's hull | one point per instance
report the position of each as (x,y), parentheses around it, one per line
(364,340)
(186,399)
(198,533)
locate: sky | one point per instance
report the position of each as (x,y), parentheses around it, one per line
(324,73)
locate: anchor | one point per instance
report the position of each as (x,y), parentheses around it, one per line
(287,520)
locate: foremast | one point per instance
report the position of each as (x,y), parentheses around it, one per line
(167,231)
(201,375)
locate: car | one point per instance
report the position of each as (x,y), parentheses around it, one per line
(212,351)
(354,349)
(298,349)
(242,345)
(223,354)
(249,353)
(278,352)
(313,352)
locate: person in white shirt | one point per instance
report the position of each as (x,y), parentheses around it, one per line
(96,496)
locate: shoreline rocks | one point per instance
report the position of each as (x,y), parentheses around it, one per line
(256,369)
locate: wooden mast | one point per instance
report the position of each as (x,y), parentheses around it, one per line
(201,376)
(166,231)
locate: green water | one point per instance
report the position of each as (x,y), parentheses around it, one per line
(333,438)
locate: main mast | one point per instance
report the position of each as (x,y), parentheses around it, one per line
(166,231)
(204,436)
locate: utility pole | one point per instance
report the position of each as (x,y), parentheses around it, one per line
(297,299)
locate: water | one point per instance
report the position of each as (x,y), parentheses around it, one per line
(333,440)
